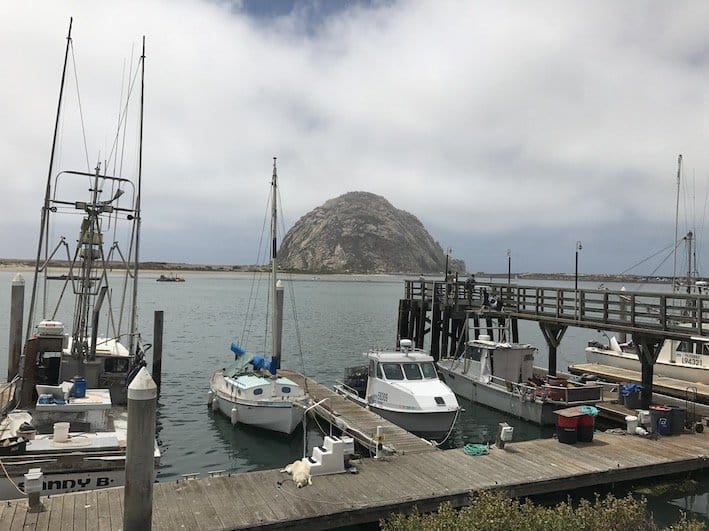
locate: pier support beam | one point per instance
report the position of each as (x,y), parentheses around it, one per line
(648,350)
(17,305)
(553,333)
(436,324)
(140,450)
(157,347)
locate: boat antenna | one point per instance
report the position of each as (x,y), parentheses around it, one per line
(134,311)
(674,266)
(44,223)
(274,250)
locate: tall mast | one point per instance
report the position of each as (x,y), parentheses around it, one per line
(674,266)
(274,280)
(134,312)
(47,194)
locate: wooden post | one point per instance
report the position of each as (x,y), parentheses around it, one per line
(140,448)
(157,347)
(515,330)
(278,324)
(436,331)
(552,334)
(17,305)
(648,350)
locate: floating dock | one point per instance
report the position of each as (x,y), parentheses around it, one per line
(270,500)
(357,422)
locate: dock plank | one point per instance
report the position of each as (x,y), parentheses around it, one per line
(67,522)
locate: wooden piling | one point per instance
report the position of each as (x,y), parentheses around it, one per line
(157,347)
(17,304)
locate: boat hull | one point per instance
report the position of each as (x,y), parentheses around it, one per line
(661,368)
(432,425)
(498,397)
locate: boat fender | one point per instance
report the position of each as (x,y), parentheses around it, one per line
(215,403)
(233,416)
(210,397)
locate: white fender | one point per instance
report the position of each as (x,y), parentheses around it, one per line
(233,416)
(210,397)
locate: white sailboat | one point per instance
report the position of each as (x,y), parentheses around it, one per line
(70,419)
(250,390)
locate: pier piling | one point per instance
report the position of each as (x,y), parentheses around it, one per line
(17,305)
(157,347)
(140,449)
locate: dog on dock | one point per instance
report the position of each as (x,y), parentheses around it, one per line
(300,470)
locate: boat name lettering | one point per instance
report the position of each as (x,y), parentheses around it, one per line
(692,359)
(68,484)
(382,397)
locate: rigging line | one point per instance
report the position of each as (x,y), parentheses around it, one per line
(645,259)
(81,112)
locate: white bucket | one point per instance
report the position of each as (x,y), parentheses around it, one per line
(61,432)
(644,417)
(632,422)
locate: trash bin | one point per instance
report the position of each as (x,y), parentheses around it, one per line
(585,428)
(658,413)
(677,418)
(567,429)
(632,395)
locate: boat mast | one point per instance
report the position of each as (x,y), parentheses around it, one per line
(274,280)
(44,223)
(674,267)
(134,312)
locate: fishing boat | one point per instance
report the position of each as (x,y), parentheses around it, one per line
(170,278)
(250,390)
(69,418)
(403,387)
(501,375)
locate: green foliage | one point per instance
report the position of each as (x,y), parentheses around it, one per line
(495,511)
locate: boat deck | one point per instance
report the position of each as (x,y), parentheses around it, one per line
(357,422)
(270,500)
(661,384)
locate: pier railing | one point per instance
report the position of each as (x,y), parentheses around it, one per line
(673,315)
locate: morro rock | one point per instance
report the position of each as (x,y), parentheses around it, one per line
(360,232)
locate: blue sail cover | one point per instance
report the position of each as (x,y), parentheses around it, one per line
(273,365)
(237,350)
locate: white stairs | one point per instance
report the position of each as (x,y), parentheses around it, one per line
(330,457)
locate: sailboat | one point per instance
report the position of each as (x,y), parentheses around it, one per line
(82,345)
(682,360)
(250,390)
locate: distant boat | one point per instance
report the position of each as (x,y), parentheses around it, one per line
(170,278)
(501,375)
(403,387)
(250,391)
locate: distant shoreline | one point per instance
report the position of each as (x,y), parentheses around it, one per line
(19,265)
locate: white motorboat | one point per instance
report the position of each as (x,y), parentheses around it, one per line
(501,375)
(683,360)
(250,390)
(66,419)
(403,387)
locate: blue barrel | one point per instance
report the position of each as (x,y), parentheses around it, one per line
(79,387)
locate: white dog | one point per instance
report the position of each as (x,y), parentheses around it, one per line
(300,470)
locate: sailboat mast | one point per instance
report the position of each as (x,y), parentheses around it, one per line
(274,248)
(134,312)
(47,194)
(674,255)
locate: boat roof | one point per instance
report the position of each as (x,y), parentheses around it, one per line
(394,356)
(486,343)
(250,380)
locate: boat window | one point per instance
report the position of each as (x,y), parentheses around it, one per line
(258,391)
(285,390)
(412,371)
(379,372)
(429,371)
(473,353)
(705,348)
(684,346)
(392,371)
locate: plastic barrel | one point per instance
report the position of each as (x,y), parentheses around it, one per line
(79,387)
(677,418)
(585,428)
(633,400)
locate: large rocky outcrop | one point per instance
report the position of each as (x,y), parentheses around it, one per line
(360,232)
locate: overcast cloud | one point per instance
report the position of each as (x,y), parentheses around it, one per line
(500,125)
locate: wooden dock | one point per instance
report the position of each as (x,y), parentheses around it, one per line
(270,499)
(357,422)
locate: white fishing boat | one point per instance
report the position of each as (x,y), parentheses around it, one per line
(250,390)
(501,375)
(403,387)
(67,419)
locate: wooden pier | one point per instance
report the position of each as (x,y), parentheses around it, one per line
(270,499)
(357,422)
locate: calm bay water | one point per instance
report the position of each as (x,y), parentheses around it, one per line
(338,318)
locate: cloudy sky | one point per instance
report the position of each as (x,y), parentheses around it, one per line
(501,125)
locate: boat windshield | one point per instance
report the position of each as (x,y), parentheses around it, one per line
(429,371)
(412,371)
(392,371)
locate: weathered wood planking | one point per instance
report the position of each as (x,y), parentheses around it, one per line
(270,499)
(357,421)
